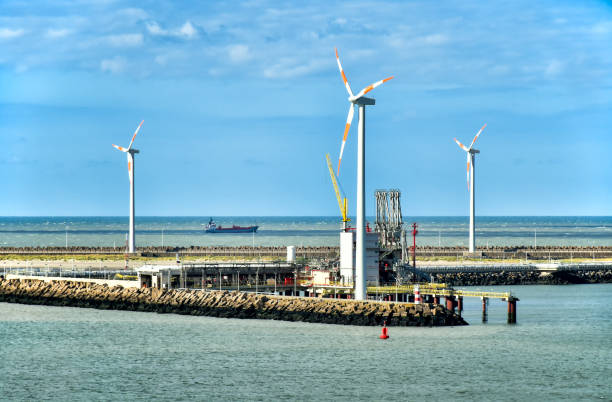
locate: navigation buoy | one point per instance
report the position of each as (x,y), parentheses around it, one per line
(417,295)
(385,334)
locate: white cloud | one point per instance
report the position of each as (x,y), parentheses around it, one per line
(57,33)
(291,68)
(134,13)
(8,33)
(239,53)
(553,68)
(114,65)
(188,31)
(125,40)
(435,39)
(602,28)
(155,29)
(161,59)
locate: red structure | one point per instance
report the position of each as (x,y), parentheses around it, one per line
(512,310)
(385,333)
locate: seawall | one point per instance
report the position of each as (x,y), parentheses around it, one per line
(225,304)
(524,278)
(493,252)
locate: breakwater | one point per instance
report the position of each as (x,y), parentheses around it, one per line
(523,278)
(225,304)
(497,252)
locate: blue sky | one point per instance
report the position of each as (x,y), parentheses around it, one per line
(241,101)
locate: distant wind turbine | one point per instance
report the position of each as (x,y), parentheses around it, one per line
(130,160)
(361,101)
(470,183)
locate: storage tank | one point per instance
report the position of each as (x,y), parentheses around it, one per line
(290,253)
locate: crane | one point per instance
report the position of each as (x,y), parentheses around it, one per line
(342,202)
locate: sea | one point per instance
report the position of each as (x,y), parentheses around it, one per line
(559,350)
(299,231)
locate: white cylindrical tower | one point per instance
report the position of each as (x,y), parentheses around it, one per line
(131,238)
(472,244)
(290,253)
(360,268)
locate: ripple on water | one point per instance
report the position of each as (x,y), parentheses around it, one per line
(560,349)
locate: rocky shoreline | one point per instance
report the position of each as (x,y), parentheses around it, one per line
(524,278)
(225,304)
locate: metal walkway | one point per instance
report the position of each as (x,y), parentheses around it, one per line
(439,290)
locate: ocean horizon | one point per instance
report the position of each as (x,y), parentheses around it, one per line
(184,231)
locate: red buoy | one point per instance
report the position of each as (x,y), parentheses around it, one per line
(385,334)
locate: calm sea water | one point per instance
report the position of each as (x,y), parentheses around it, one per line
(307,231)
(561,349)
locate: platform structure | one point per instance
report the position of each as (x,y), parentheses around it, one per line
(430,292)
(282,278)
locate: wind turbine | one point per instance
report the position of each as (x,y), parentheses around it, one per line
(470,183)
(361,101)
(130,160)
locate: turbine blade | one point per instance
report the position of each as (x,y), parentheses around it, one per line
(130,167)
(134,136)
(461,145)
(371,87)
(477,134)
(468,171)
(349,120)
(120,148)
(346,84)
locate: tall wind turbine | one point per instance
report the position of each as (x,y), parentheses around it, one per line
(361,101)
(471,158)
(130,160)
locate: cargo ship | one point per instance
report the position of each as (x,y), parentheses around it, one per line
(212,227)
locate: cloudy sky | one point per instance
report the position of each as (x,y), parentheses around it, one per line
(242,100)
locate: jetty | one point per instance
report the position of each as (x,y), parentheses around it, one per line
(226,304)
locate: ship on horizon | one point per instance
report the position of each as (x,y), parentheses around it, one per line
(212,227)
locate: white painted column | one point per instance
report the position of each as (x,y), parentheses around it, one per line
(131,236)
(360,268)
(472,244)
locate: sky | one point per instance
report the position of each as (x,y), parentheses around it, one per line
(242,100)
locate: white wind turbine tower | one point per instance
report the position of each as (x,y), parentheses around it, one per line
(470,183)
(130,160)
(361,101)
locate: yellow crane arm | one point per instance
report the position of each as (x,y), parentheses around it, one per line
(341,203)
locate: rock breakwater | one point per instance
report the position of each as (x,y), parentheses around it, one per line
(524,278)
(225,304)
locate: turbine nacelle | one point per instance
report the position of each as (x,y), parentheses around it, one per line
(362,101)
